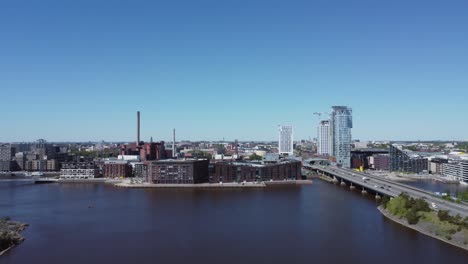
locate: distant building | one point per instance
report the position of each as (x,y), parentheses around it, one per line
(117,169)
(250,171)
(363,158)
(381,162)
(406,160)
(7,152)
(286,140)
(271,157)
(52,165)
(457,170)
(36,165)
(139,169)
(435,165)
(324,138)
(146,151)
(129,157)
(20,159)
(341,125)
(178,171)
(78,170)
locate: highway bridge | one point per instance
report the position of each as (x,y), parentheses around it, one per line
(380,186)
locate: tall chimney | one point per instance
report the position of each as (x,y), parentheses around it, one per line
(173,143)
(236,148)
(138,129)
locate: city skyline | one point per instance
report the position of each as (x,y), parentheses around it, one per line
(78,72)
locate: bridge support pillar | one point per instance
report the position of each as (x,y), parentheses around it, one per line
(335,180)
(342,183)
(364,191)
(352,187)
(377,196)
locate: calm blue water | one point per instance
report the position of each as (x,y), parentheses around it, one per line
(319,223)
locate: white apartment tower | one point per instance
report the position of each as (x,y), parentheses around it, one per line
(285,141)
(341,123)
(324,138)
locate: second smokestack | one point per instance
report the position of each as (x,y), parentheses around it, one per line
(138,129)
(173,144)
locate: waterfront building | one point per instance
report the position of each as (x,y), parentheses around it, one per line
(78,170)
(286,140)
(341,124)
(457,170)
(7,153)
(178,171)
(406,160)
(256,171)
(52,165)
(435,165)
(117,169)
(139,169)
(36,165)
(324,138)
(363,158)
(381,161)
(20,160)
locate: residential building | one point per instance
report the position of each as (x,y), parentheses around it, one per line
(78,170)
(171,171)
(7,152)
(52,165)
(360,158)
(406,160)
(20,160)
(435,165)
(139,169)
(286,140)
(457,170)
(117,169)
(256,171)
(381,161)
(324,138)
(341,124)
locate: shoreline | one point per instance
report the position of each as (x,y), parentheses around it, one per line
(14,229)
(247,185)
(404,223)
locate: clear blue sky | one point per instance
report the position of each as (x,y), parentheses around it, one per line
(79,70)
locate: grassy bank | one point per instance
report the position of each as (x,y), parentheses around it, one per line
(417,213)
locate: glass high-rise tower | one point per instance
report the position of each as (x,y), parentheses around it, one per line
(324,138)
(341,123)
(285,140)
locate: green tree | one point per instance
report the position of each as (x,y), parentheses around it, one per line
(443,215)
(384,201)
(420,205)
(412,217)
(255,157)
(397,206)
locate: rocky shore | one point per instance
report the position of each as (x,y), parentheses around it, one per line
(10,234)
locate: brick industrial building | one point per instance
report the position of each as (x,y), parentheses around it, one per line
(178,171)
(249,171)
(381,161)
(146,151)
(117,169)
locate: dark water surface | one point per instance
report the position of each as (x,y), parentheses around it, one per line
(319,223)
